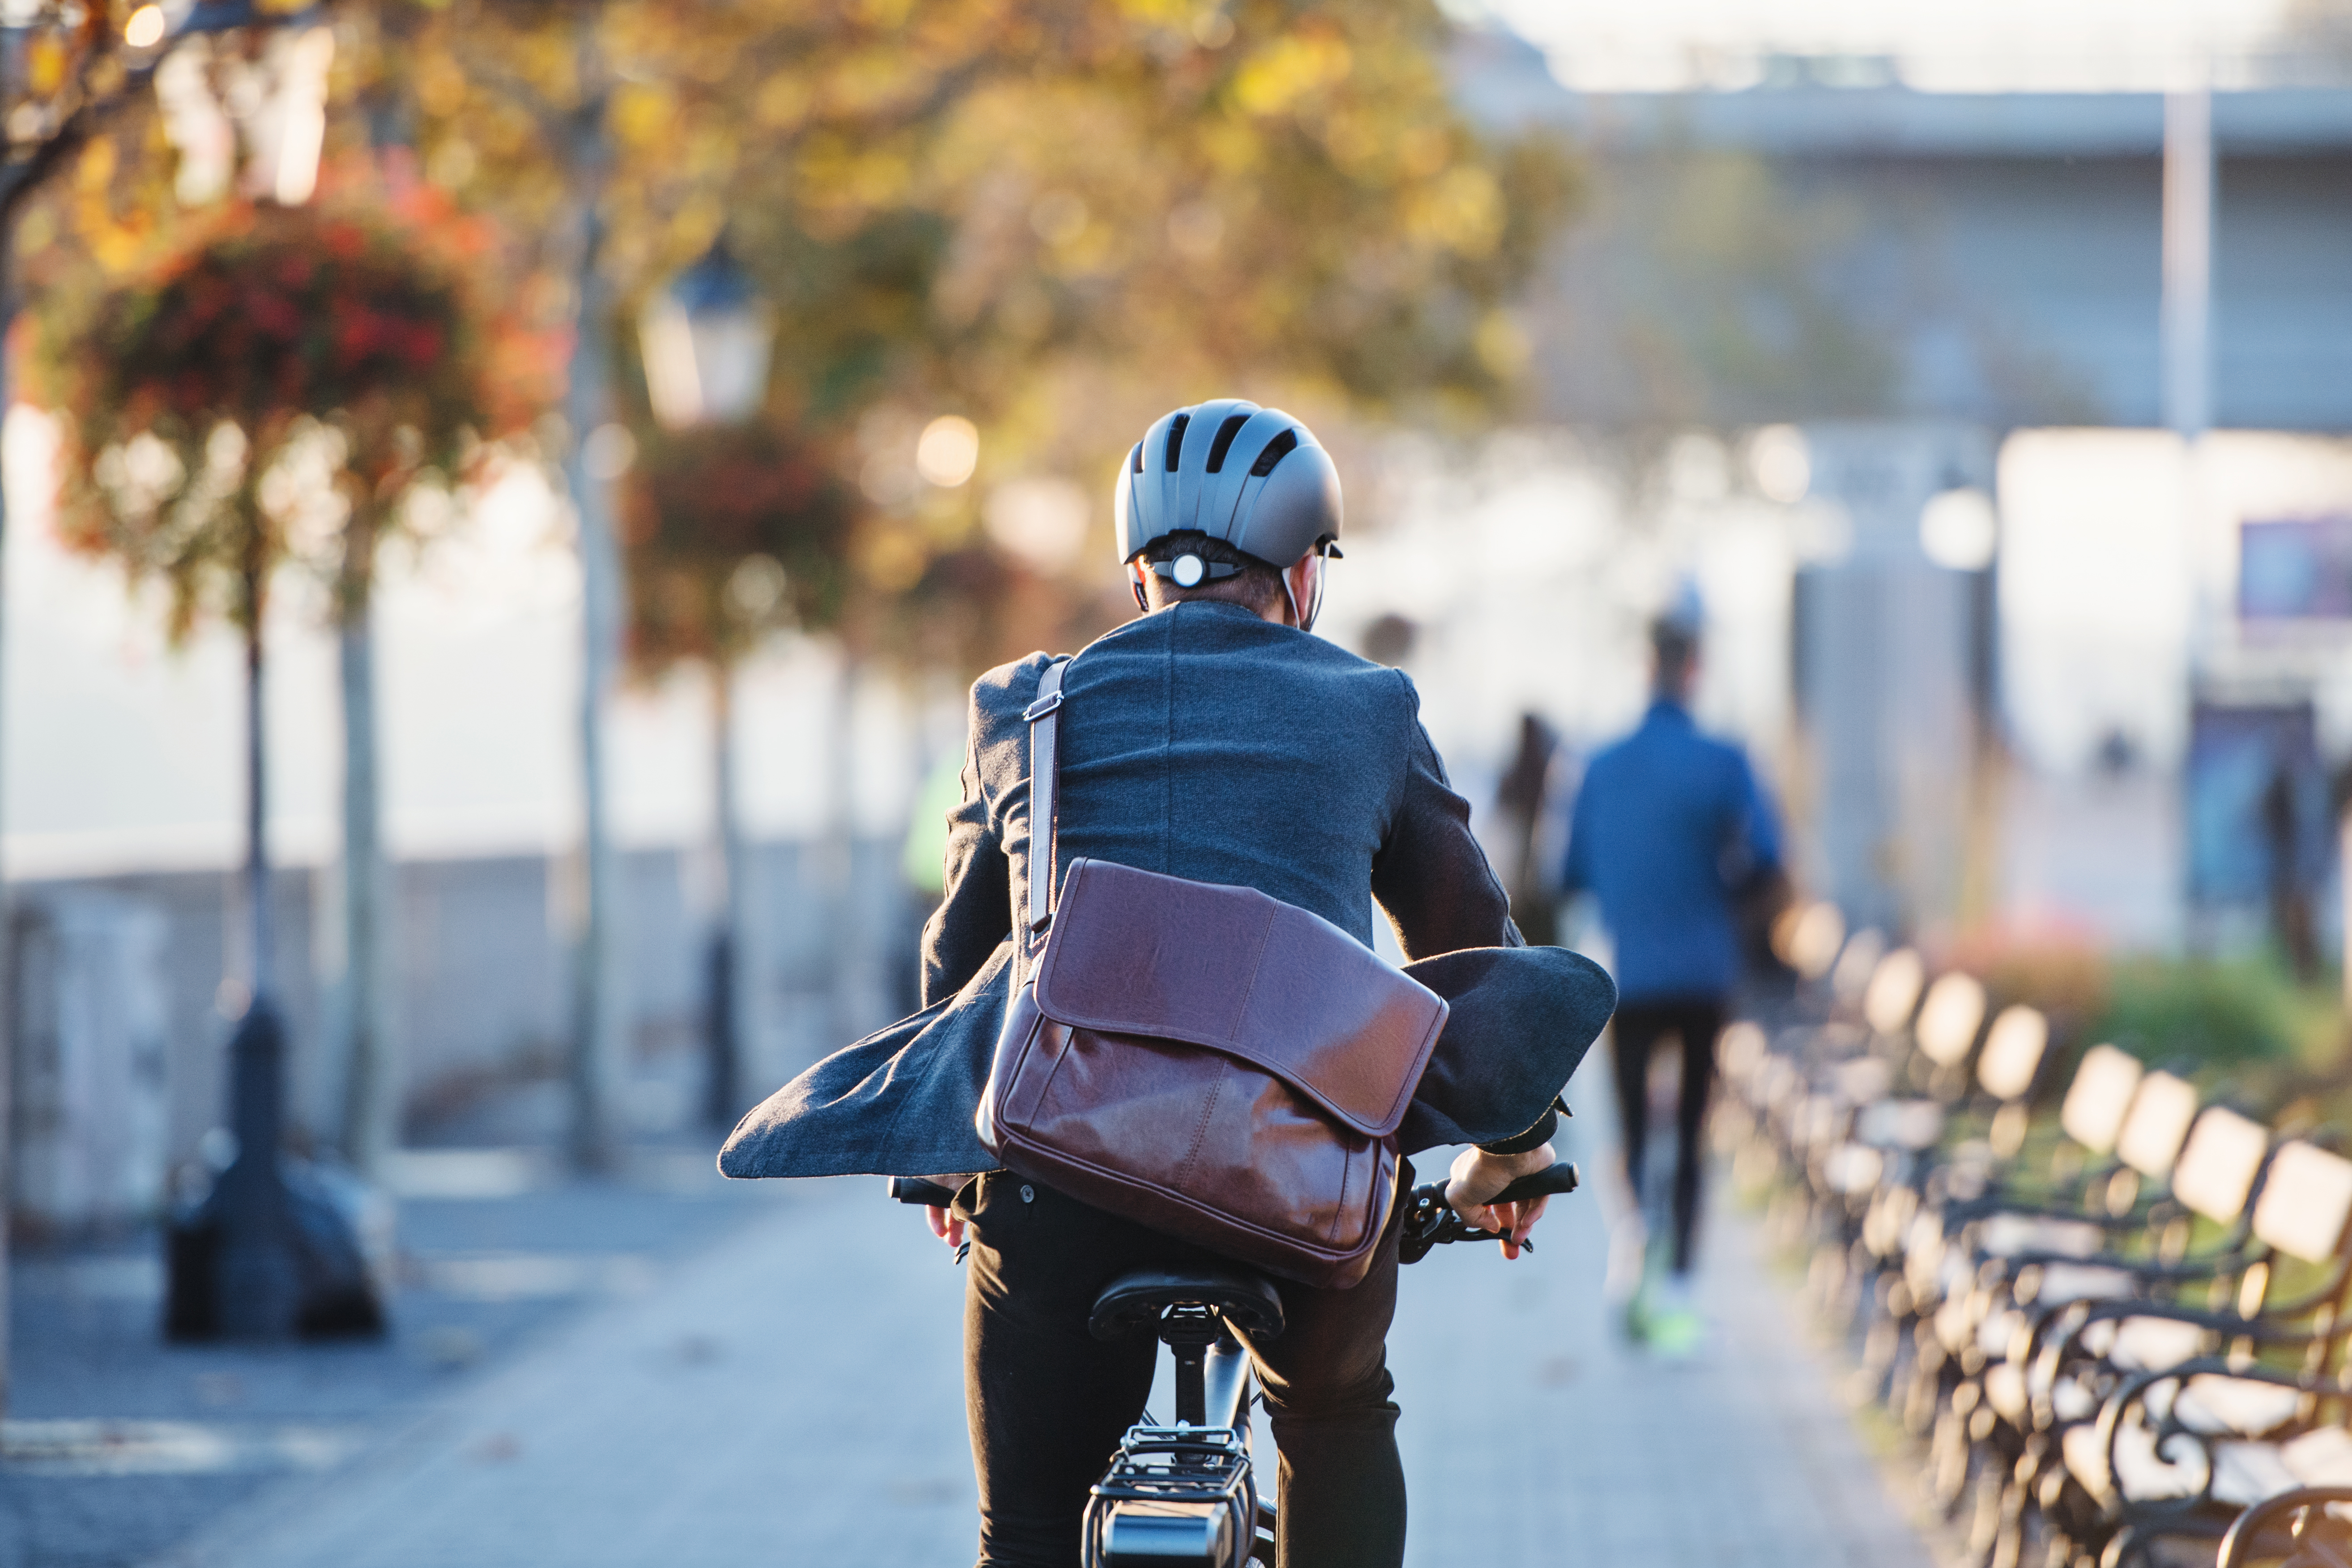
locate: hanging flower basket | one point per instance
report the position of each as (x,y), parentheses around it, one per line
(732,532)
(184,384)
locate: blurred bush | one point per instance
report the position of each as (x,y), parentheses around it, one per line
(2062,971)
(2242,1023)
(2228,1013)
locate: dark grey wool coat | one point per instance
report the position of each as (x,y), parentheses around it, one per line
(1203,742)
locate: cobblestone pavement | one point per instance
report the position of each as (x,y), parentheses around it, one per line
(791,1395)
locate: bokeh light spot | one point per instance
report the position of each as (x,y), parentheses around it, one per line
(949,451)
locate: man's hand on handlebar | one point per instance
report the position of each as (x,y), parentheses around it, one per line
(945,1225)
(1477,1176)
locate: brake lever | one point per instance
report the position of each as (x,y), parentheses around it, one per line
(1430,1221)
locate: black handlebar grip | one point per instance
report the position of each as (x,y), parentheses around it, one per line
(1559,1178)
(914,1190)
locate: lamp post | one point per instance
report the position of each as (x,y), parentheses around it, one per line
(265,1256)
(707,340)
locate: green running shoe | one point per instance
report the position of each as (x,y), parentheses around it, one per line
(1675,1328)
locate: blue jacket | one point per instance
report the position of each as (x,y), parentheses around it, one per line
(1203,742)
(1669,826)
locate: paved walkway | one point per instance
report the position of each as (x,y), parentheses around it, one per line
(792,1395)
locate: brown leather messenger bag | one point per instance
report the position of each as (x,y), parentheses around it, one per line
(1206,1060)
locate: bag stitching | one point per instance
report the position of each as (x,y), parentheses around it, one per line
(1257,967)
(1225,1071)
(1339,1209)
(1029,1051)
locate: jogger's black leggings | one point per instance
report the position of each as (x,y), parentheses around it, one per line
(1047,1401)
(1637,1028)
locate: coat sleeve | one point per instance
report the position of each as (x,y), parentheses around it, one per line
(1430,875)
(1576,869)
(976,912)
(1756,827)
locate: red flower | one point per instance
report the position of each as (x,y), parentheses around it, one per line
(358,337)
(276,315)
(425,343)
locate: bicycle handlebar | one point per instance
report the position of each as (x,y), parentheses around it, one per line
(1431,1221)
(917,1191)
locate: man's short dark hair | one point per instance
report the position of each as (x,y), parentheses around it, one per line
(1256,586)
(1673,642)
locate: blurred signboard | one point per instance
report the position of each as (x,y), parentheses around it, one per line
(2256,803)
(2295,569)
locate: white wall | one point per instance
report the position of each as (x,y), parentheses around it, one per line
(119,751)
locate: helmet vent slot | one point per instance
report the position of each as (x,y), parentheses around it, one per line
(1176,439)
(1281,447)
(1139,457)
(1224,441)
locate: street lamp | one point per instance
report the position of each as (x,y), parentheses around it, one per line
(707,339)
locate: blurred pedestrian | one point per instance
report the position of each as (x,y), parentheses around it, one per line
(1670,831)
(1523,802)
(2289,885)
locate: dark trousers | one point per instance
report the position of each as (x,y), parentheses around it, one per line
(1047,1401)
(1637,1028)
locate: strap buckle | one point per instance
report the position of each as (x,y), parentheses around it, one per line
(1043,706)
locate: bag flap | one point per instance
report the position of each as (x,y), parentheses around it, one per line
(1133,953)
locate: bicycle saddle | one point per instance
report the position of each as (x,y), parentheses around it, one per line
(1137,1299)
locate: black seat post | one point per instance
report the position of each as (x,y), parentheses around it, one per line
(1188,1329)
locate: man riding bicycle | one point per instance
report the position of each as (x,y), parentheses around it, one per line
(1212,740)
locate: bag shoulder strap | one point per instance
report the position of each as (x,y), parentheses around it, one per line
(1045,793)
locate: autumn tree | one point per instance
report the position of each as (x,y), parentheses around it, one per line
(269,392)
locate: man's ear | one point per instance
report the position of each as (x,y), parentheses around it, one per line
(1302,587)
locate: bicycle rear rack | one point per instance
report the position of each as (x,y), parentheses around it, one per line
(1174,1496)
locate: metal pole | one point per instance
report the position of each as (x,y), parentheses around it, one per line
(2188,307)
(371,1086)
(728,1033)
(257,813)
(13,57)
(599,1045)
(2185,338)
(257,1288)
